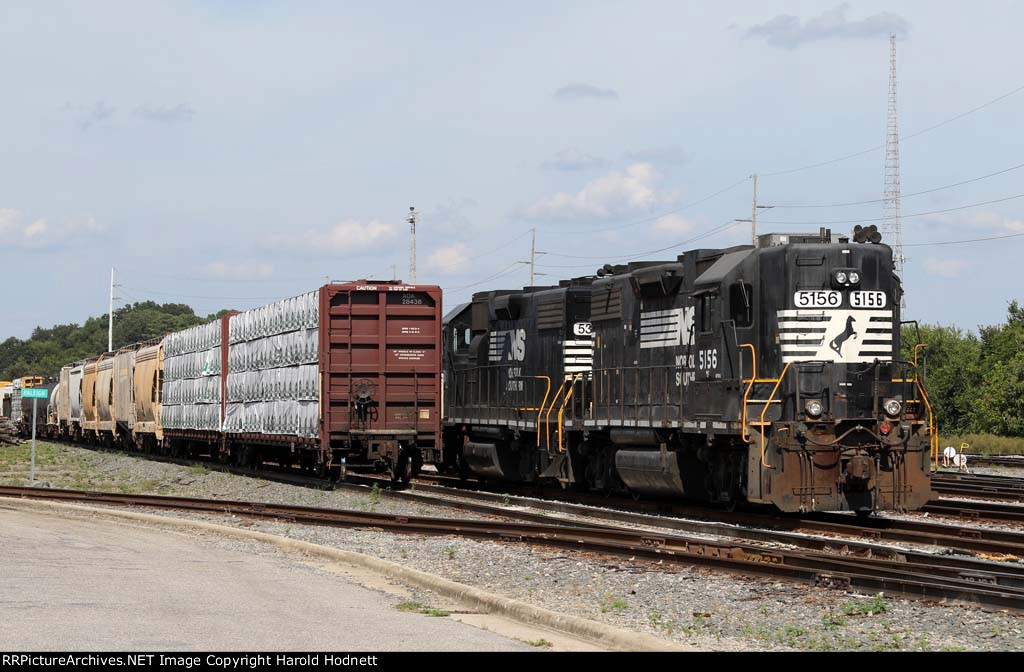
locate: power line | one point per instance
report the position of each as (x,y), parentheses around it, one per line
(916,193)
(905,138)
(880,219)
(505,271)
(968,240)
(633,255)
(654,217)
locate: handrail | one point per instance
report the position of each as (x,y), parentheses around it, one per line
(750,386)
(547,418)
(561,410)
(767,405)
(933,438)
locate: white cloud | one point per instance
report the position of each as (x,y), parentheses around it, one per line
(789,32)
(450,259)
(239,270)
(584,90)
(617,193)
(994,220)
(673,224)
(165,114)
(41,233)
(571,160)
(347,236)
(945,268)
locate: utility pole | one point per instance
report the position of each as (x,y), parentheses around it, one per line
(533,251)
(753,215)
(394,271)
(412,243)
(110,314)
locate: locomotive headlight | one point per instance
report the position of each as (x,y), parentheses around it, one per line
(854,277)
(841,277)
(814,408)
(892,407)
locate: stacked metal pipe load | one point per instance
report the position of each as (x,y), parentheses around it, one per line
(192,368)
(273,377)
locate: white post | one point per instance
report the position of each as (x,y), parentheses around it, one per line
(753,215)
(110,314)
(533,252)
(32,468)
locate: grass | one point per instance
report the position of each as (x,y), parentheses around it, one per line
(870,607)
(609,603)
(412,606)
(833,621)
(539,643)
(375,496)
(984,444)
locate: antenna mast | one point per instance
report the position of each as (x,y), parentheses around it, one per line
(110,314)
(412,243)
(892,225)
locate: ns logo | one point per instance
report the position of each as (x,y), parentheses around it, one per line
(507,346)
(517,345)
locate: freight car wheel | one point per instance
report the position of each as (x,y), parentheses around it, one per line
(403,469)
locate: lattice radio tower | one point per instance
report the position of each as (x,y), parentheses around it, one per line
(892,226)
(412,243)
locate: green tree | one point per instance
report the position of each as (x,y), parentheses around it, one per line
(48,349)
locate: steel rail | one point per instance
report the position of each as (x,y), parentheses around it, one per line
(994,588)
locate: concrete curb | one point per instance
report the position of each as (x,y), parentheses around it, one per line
(600,634)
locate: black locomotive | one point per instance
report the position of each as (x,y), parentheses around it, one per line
(767,374)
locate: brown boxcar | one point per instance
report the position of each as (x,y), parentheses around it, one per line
(347,374)
(380,363)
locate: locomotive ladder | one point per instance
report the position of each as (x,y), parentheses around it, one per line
(765,403)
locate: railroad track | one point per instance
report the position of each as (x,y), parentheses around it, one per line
(1002,488)
(989,584)
(996,461)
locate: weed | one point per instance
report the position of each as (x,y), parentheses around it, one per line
(374,496)
(450,552)
(432,611)
(608,603)
(833,621)
(419,608)
(870,607)
(539,643)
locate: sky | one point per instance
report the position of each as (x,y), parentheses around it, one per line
(227,154)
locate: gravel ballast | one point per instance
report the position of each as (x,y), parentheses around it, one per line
(691,605)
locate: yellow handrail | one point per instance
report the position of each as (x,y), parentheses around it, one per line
(561,411)
(547,417)
(933,439)
(767,405)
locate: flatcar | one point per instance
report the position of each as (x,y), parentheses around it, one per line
(765,374)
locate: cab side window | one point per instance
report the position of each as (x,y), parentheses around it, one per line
(706,310)
(741,304)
